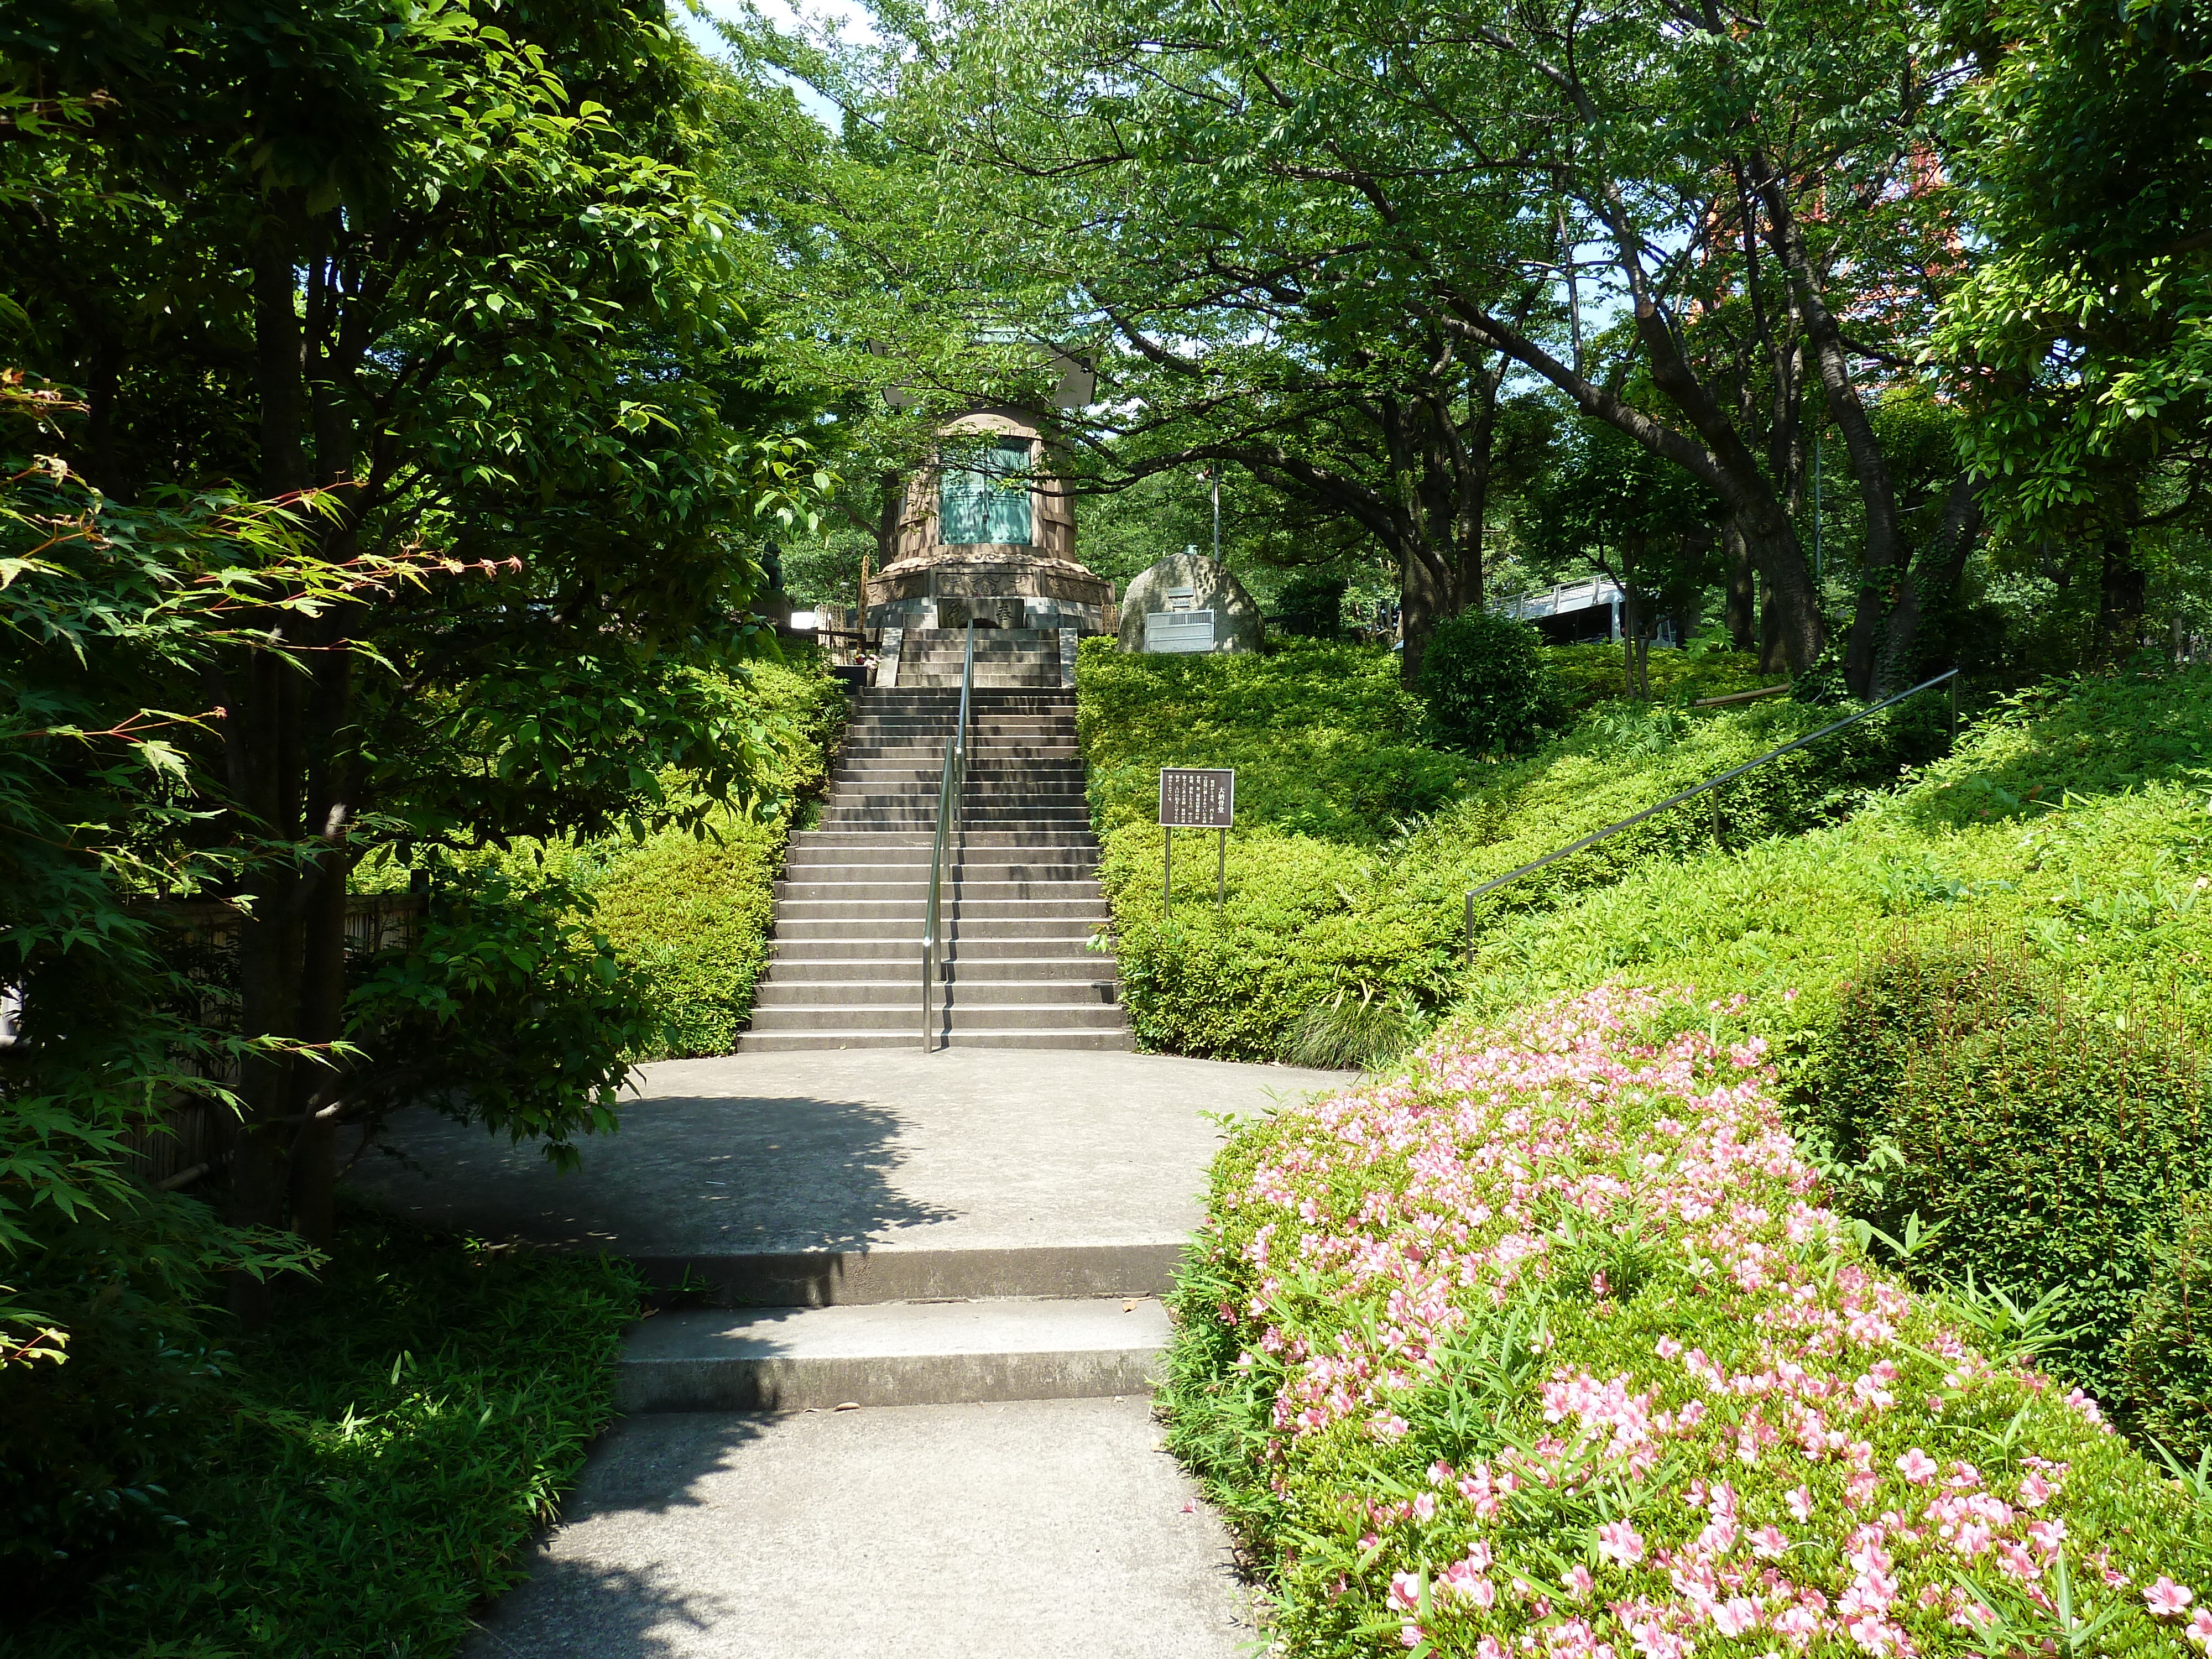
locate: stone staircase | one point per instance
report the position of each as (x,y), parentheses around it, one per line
(1028,658)
(1021,906)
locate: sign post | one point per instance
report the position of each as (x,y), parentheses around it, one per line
(1196,798)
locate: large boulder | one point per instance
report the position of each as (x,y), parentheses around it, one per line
(1161,591)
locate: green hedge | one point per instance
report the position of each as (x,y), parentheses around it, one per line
(1541,1346)
(688,916)
(1364,900)
(356,1479)
(2050,1149)
(692,914)
(2165,1357)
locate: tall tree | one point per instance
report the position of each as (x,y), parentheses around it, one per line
(2082,342)
(1755,189)
(448,271)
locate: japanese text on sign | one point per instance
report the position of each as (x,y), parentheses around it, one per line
(1198,798)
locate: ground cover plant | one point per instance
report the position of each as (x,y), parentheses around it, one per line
(1548,1345)
(1356,840)
(356,1484)
(2072,820)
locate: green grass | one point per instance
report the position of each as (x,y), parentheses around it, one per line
(391,1444)
(1356,840)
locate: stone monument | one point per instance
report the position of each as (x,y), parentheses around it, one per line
(1188,603)
(987,534)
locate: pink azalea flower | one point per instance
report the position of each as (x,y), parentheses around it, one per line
(1617,1542)
(1917,1467)
(1579,1582)
(2035,1492)
(1404,1592)
(1736,1616)
(1666,1347)
(1769,1544)
(2167,1599)
(2200,1629)
(1800,1504)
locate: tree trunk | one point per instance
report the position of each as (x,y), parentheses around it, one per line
(2122,592)
(1741,610)
(1772,658)
(1423,604)
(263,754)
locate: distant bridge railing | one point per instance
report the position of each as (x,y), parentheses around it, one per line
(1951,675)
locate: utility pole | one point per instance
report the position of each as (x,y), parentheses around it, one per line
(1215,472)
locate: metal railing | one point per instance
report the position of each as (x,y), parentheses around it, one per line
(951,791)
(1714,782)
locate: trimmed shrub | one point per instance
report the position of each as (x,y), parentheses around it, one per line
(691,919)
(1544,1346)
(1483,679)
(2165,1357)
(2046,1146)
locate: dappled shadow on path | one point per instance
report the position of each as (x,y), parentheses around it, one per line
(631,1572)
(760,1199)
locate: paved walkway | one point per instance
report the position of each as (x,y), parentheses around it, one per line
(943,1237)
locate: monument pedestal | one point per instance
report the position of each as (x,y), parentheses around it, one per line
(992,586)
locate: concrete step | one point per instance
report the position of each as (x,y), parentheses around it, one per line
(912,910)
(895,1354)
(766,1043)
(966,889)
(854,841)
(1085,967)
(902,992)
(905,948)
(813,867)
(853,797)
(889,815)
(982,772)
(906,1018)
(906,931)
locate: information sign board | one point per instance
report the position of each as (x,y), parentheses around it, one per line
(1198,797)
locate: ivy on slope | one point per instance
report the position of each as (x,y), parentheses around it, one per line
(1356,840)
(1547,1347)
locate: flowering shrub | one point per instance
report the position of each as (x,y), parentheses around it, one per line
(1548,1347)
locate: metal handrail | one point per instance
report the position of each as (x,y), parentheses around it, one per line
(952,790)
(1713,782)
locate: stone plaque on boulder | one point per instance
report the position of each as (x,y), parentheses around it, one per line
(1188,603)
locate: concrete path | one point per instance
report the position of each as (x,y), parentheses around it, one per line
(1051,1530)
(858,1175)
(964,1251)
